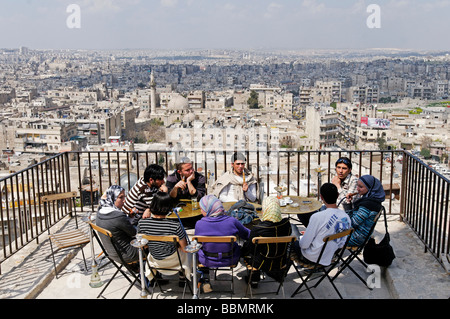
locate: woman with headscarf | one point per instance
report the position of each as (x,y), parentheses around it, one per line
(365,208)
(111,217)
(271,225)
(215,222)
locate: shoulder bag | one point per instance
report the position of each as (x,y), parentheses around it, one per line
(381,254)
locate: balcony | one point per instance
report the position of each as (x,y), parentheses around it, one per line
(417,195)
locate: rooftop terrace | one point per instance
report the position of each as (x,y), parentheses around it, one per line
(417,209)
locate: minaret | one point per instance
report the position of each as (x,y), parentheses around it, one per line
(152,94)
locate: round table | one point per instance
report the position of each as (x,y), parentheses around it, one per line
(187,211)
(305,205)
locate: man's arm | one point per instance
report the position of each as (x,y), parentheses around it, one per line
(250,194)
(201,186)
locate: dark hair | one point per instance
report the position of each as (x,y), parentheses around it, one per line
(161,203)
(329,193)
(344,160)
(154,172)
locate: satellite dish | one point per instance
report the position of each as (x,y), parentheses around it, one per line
(124,181)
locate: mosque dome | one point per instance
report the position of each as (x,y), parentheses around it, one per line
(178,102)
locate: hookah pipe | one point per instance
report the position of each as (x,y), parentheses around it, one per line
(177,210)
(192,247)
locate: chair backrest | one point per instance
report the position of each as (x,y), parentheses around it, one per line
(327,239)
(276,251)
(101,230)
(338,235)
(214,239)
(167,238)
(59,196)
(218,239)
(67,196)
(273,240)
(174,239)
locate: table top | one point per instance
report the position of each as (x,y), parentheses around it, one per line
(305,205)
(187,211)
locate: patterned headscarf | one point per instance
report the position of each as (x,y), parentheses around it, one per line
(109,198)
(271,209)
(212,206)
(375,189)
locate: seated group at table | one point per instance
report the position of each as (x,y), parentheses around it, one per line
(150,200)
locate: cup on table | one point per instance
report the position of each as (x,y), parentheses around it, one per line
(194,203)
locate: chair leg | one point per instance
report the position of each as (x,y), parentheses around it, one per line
(346,264)
(54,260)
(304,283)
(109,281)
(84,259)
(249,283)
(334,286)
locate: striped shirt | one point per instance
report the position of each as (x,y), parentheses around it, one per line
(161,227)
(140,197)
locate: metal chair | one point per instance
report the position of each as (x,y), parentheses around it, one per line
(64,239)
(229,251)
(130,274)
(355,251)
(315,271)
(174,240)
(274,256)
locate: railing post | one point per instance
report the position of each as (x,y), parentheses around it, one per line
(403,186)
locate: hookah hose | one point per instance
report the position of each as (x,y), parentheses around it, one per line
(176,210)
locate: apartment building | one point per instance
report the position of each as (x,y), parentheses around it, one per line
(321,128)
(196,99)
(327,91)
(364,94)
(43,136)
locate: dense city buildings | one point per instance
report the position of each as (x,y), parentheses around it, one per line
(57,100)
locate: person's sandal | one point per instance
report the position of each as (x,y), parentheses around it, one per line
(206,287)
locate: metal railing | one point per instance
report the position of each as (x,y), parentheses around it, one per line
(425,205)
(417,192)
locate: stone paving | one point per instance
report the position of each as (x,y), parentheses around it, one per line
(414,274)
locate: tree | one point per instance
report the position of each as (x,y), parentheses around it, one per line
(382,145)
(253,100)
(425,152)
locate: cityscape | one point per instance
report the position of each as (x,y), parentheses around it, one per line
(198,100)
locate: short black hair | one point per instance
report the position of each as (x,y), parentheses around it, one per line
(344,160)
(154,172)
(329,193)
(161,203)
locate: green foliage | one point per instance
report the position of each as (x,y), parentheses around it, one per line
(417,110)
(253,100)
(425,152)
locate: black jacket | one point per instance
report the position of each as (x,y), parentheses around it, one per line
(123,232)
(273,251)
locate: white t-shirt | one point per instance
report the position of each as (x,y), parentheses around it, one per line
(321,224)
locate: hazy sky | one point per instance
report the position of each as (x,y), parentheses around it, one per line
(240,24)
